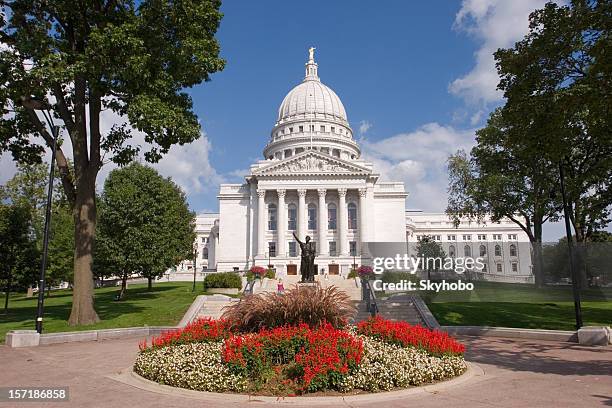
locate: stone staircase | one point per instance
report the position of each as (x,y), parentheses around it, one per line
(408,308)
(213,306)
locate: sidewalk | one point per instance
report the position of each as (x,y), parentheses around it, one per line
(519,373)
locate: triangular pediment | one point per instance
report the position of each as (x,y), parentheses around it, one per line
(311,162)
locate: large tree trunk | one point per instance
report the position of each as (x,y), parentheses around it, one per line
(150,284)
(83,311)
(124,277)
(538,259)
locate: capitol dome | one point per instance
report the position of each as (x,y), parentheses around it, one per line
(311,116)
(311,99)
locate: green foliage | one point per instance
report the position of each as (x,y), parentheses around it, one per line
(145,225)
(19,257)
(223,280)
(352,274)
(270,274)
(60,262)
(428,248)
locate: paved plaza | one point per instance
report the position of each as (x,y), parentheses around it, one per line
(517,373)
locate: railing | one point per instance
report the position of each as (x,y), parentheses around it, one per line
(369,297)
(248,288)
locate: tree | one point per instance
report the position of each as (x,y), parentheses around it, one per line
(503,179)
(559,78)
(145,224)
(79,58)
(28,188)
(431,251)
(18,252)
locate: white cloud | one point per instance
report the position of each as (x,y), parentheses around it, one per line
(495,24)
(364,126)
(419,159)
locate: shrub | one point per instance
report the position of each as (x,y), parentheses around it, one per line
(223,280)
(310,305)
(312,359)
(435,342)
(270,274)
(352,274)
(397,277)
(200,330)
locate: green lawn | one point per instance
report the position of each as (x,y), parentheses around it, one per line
(517,305)
(165,305)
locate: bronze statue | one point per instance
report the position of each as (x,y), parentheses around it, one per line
(307,264)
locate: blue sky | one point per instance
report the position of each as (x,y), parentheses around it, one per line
(416,78)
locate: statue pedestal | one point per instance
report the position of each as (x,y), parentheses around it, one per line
(312,285)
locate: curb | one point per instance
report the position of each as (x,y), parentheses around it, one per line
(508,332)
(127,376)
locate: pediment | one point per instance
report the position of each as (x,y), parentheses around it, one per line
(311,162)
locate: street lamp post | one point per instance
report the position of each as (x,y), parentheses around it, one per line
(568,234)
(195,257)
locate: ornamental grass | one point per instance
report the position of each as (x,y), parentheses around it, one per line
(299,305)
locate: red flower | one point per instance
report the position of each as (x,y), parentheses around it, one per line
(401,333)
(200,330)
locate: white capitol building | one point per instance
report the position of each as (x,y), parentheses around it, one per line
(313,181)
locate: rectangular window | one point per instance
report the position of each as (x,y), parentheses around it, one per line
(514,267)
(333,129)
(272,249)
(312,218)
(497,237)
(513,237)
(322,128)
(292,248)
(301,128)
(292,218)
(312,128)
(482,237)
(499,268)
(353,248)
(332,248)
(467,237)
(331,218)
(290,130)
(451,238)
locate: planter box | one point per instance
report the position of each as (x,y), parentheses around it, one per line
(224,291)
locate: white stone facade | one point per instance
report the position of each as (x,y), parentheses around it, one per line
(313,182)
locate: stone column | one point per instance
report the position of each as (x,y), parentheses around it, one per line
(342,222)
(261,219)
(301,221)
(362,224)
(281,227)
(323,246)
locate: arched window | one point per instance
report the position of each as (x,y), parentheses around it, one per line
(483,250)
(331,216)
(352,216)
(272,213)
(312,216)
(205,253)
(512,250)
(467,251)
(497,250)
(451,251)
(292,217)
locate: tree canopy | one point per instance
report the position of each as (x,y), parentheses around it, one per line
(131,59)
(145,224)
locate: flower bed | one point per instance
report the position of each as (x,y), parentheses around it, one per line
(377,355)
